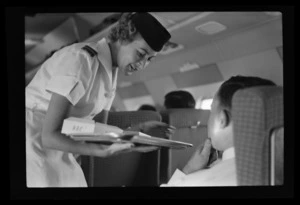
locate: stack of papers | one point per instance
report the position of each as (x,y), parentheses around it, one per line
(89,130)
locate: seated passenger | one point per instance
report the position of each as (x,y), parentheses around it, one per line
(147,107)
(222,172)
(179,99)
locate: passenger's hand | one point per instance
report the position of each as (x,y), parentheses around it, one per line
(199,159)
(159,128)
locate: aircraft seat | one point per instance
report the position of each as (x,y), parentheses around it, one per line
(128,169)
(191,127)
(258,119)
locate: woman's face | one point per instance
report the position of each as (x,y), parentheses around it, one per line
(134,56)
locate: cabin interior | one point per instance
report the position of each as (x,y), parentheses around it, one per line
(206,49)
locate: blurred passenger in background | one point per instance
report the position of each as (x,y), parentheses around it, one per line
(147,107)
(179,99)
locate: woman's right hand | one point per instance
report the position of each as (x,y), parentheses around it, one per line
(100,150)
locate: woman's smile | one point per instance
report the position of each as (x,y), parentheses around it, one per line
(130,69)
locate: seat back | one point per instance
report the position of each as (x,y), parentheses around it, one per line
(277,157)
(191,127)
(129,169)
(257,115)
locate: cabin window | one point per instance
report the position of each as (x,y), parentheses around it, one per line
(204,104)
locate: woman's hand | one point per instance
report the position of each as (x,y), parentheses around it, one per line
(155,128)
(199,159)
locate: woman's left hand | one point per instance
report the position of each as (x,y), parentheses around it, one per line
(159,128)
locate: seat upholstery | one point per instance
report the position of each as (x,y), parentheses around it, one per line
(129,169)
(256,112)
(277,157)
(191,127)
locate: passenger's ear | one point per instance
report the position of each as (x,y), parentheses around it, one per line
(224,118)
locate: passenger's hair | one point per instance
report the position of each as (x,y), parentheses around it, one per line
(124,30)
(235,83)
(147,107)
(179,99)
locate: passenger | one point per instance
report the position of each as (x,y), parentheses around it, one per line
(179,99)
(80,81)
(220,136)
(147,107)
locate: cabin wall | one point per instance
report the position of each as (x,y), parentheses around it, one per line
(253,52)
(64,34)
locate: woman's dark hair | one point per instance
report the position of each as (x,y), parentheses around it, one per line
(235,83)
(147,107)
(124,30)
(179,99)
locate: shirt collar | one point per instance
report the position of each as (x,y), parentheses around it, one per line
(228,153)
(104,55)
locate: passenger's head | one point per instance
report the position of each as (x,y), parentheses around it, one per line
(179,99)
(147,107)
(136,38)
(220,123)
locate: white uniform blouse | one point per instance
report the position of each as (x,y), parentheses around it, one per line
(89,83)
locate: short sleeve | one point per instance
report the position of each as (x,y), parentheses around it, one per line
(71,75)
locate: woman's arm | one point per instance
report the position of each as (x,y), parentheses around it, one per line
(51,133)
(52,137)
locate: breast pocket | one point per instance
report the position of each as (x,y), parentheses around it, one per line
(99,103)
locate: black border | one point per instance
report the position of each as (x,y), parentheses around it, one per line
(14,43)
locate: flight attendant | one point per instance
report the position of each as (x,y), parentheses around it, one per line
(80,81)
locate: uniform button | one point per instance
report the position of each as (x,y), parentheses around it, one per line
(108,95)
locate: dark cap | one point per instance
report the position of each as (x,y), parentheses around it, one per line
(155,34)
